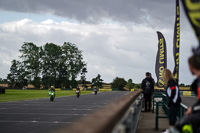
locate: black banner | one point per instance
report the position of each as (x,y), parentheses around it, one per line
(176,41)
(192,10)
(161,59)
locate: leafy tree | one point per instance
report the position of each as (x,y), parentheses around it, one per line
(73,60)
(14,73)
(48,65)
(130,84)
(3,81)
(97,81)
(119,83)
(17,76)
(61,65)
(50,55)
(31,62)
(182,85)
(138,86)
(83,78)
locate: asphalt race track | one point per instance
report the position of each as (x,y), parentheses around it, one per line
(189,100)
(44,116)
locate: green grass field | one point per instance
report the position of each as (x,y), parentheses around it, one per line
(19,95)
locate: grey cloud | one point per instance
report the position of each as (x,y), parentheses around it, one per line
(120,51)
(149,12)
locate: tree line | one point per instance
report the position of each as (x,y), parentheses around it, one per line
(56,65)
(47,65)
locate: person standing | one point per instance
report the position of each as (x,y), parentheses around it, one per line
(152,80)
(173,96)
(152,91)
(147,87)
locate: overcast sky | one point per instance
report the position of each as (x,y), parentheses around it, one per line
(118,37)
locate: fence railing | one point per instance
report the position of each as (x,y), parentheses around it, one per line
(181,110)
(163,103)
(120,116)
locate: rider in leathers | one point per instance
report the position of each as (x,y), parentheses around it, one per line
(193,113)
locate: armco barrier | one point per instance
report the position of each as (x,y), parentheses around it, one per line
(187,93)
(120,116)
(105,89)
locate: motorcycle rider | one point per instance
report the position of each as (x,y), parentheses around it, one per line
(52,89)
(191,122)
(78,89)
(95,89)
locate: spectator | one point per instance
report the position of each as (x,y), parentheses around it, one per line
(173,96)
(192,118)
(147,87)
(152,91)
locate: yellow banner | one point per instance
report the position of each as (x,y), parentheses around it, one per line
(186,93)
(192,10)
(105,89)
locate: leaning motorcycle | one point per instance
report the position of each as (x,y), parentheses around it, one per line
(77,93)
(95,91)
(51,95)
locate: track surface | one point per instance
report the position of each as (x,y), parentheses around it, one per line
(43,116)
(189,100)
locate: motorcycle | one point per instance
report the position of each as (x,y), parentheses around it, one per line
(95,91)
(77,93)
(51,95)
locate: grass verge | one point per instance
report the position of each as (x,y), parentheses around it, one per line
(20,95)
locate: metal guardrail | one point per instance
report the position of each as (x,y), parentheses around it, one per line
(120,116)
(163,104)
(157,95)
(129,121)
(159,104)
(182,110)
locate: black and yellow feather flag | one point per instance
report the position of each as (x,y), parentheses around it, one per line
(161,59)
(176,41)
(192,10)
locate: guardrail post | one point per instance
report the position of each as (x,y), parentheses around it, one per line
(121,128)
(157,115)
(153,104)
(131,118)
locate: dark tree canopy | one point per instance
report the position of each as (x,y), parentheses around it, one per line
(17,77)
(48,65)
(130,84)
(119,83)
(97,81)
